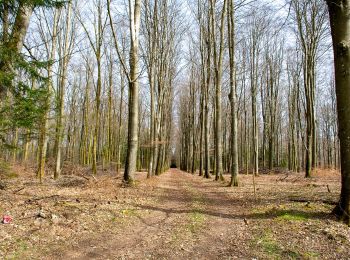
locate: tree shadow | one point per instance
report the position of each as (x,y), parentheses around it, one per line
(291,214)
(283,214)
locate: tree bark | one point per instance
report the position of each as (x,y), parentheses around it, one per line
(131,158)
(61,93)
(339,11)
(233,95)
(218,60)
(43,138)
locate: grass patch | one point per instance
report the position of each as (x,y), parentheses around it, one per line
(311,255)
(269,245)
(196,221)
(290,254)
(21,247)
(273,250)
(293,216)
(286,214)
(114,219)
(123,216)
(129,212)
(175,237)
(196,217)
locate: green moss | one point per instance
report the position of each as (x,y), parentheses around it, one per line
(131,183)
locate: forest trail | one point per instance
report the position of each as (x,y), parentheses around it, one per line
(186,217)
(174,216)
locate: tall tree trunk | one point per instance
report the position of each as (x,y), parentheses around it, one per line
(218,59)
(131,158)
(43,137)
(122,83)
(61,93)
(206,106)
(233,95)
(339,11)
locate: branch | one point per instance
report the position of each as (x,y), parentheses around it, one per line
(116,45)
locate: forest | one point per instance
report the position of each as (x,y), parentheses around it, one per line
(169,129)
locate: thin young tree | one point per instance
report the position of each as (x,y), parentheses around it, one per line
(218,53)
(65,55)
(233,94)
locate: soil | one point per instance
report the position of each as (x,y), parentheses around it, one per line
(174,216)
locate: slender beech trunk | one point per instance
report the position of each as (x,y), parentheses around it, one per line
(206,105)
(131,158)
(61,93)
(97,115)
(43,137)
(84,147)
(233,95)
(122,83)
(218,60)
(110,116)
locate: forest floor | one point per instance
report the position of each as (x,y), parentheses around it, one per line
(174,216)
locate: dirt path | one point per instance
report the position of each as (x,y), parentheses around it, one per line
(185,218)
(174,216)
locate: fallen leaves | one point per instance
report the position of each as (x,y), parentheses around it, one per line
(176,215)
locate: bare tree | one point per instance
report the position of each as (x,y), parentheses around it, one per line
(233,94)
(132,75)
(96,43)
(43,138)
(310,18)
(218,52)
(65,56)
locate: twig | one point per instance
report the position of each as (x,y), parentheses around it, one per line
(282,179)
(16,191)
(41,198)
(86,178)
